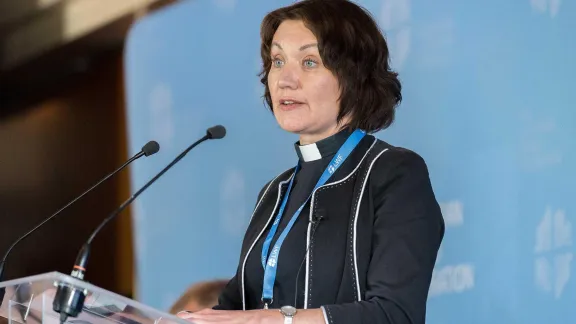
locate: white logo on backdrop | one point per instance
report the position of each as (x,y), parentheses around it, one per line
(452,278)
(453,213)
(394,20)
(547,7)
(161,122)
(538,148)
(233,203)
(552,265)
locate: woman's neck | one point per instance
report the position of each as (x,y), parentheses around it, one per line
(306,139)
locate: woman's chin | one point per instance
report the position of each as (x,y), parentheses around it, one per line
(292,126)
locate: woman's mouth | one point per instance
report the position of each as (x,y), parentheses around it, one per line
(290,104)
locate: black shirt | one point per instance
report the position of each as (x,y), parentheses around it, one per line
(313,159)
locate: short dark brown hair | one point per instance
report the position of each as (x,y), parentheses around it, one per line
(352,46)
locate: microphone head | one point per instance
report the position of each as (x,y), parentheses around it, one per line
(151,148)
(216,132)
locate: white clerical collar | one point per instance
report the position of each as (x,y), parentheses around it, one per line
(323,148)
(309,152)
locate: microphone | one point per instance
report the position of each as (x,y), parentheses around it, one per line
(69,300)
(150,148)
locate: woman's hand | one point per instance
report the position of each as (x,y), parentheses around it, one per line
(261,316)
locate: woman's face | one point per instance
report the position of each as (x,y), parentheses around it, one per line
(305,94)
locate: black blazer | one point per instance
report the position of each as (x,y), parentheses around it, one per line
(377,231)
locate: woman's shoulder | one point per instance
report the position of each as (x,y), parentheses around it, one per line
(391,161)
(282,177)
(401,187)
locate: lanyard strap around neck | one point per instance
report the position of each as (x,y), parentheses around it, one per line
(270,263)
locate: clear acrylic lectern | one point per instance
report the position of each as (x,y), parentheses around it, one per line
(29,301)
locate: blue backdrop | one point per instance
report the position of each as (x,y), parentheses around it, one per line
(489,90)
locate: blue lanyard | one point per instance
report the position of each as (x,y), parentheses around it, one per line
(270,263)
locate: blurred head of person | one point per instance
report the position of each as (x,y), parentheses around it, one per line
(199,296)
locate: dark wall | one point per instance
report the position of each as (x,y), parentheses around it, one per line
(53,149)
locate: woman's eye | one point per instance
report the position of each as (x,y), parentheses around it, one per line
(309,63)
(277,63)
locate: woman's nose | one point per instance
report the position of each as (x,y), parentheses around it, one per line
(288,78)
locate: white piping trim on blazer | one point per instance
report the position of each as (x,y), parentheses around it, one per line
(308,255)
(263,229)
(310,218)
(356,222)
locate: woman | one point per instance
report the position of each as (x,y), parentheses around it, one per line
(351,234)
